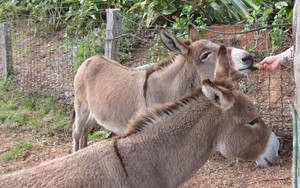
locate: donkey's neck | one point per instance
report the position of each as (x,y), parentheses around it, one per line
(169,153)
(172,81)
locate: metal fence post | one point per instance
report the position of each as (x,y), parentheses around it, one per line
(7,65)
(113,31)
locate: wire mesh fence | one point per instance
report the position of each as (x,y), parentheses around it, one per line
(45,61)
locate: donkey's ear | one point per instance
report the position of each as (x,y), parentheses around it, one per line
(172,43)
(193,33)
(221,97)
(223,69)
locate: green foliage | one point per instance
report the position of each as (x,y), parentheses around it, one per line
(231,10)
(5,84)
(271,13)
(125,54)
(17,149)
(157,51)
(103,133)
(29,103)
(39,114)
(27,52)
(92,44)
(80,16)
(194,11)
(153,9)
(187,16)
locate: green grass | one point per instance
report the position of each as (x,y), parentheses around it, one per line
(17,149)
(27,52)
(103,133)
(39,114)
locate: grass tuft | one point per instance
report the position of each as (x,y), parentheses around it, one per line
(39,114)
(103,133)
(17,149)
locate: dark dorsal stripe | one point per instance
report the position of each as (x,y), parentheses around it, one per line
(119,156)
(145,86)
(161,65)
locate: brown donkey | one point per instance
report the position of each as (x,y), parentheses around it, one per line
(166,144)
(109,94)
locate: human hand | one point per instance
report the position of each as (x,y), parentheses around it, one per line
(272,63)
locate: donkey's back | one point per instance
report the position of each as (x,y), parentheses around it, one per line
(95,82)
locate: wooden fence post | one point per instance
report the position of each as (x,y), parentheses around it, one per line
(113,32)
(296,36)
(7,67)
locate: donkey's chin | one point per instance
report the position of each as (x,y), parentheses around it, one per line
(270,155)
(247,71)
(242,61)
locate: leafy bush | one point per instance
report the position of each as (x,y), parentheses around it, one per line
(194,11)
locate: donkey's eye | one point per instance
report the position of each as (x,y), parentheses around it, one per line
(204,55)
(253,122)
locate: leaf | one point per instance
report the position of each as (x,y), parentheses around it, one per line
(267,12)
(231,13)
(150,18)
(135,6)
(240,8)
(168,10)
(93,16)
(215,6)
(233,16)
(281,4)
(251,4)
(216,9)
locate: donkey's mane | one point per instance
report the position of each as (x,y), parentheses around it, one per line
(168,61)
(165,62)
(151,116)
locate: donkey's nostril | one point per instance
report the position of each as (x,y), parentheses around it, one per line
(247,58)
(279,152)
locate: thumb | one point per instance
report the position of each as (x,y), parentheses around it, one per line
(263,62)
